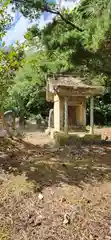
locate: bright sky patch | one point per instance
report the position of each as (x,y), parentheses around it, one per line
(20,24)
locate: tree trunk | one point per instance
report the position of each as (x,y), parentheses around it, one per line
(21,120)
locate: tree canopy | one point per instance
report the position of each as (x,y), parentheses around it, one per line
(4,18)
(28,90)
(91,18)
(69,51)
(10,58)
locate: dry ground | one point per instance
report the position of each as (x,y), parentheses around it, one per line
(75,181)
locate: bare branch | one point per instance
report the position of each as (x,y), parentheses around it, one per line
(47,9)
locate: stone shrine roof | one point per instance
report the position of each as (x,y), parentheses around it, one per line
(75,86)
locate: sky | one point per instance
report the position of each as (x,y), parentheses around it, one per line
(19,25)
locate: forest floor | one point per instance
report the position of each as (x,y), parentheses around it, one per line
(49,193)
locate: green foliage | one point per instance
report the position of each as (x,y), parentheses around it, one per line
(102,110)
(91,16)
(96,17)
(28,92)
(10,61)
(35,8)
(4,17)
(85,53)
(66,52)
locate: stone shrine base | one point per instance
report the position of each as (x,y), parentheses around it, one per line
(73,137)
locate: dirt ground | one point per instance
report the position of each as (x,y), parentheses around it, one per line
(105,132)
(49,193)
(39,138)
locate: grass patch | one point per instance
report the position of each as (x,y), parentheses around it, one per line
(5,233)
(15,185)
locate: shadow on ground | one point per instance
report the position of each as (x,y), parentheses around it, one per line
(48,166)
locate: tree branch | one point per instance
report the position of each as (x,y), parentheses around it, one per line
(63,18)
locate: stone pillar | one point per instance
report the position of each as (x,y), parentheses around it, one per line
(91,115)
(56,112)
(84,112)
(51,119)
(81,114)
(66,115)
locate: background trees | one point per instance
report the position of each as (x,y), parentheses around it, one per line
(10,61)
(28,94)
(10,58)
(4,18)
(76,42)
(91,18)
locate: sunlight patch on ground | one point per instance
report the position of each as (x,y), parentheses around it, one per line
(15,186)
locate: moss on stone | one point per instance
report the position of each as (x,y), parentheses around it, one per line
(62,139)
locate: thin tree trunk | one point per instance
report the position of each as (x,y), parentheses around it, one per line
(22,120)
